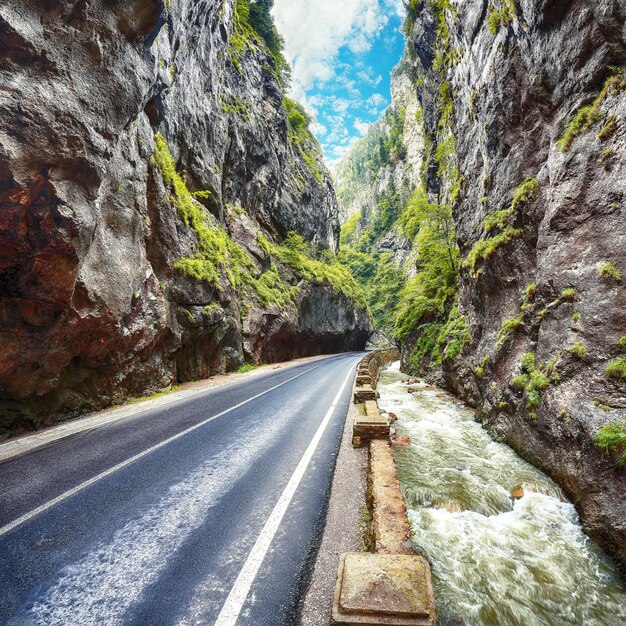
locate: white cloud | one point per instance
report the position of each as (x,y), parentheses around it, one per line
(361,126)
(341,105)
(376,99)
(319,129)
(315,32)
(365,77)
(375,104)
(336,153)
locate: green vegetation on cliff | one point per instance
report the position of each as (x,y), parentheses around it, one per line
(216,252)
(298,122)
(311,265)
(501,222)
(382,146)
(612,438)
(428,307)
(374,268)
(253,25)
(589,115)
(402,246)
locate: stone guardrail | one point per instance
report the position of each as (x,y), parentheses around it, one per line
(390,586)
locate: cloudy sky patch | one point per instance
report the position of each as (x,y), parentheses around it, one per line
(341,53)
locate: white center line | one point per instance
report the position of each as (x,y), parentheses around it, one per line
(234,603)
(68,494)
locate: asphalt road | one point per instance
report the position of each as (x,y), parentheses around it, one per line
(206,511)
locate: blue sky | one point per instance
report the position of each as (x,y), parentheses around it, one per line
(341,53)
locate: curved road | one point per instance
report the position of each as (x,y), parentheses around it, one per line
(207,510)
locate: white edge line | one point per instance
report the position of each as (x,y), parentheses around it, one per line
(68,494)
(234,602)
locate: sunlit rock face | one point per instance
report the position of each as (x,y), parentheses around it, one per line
(94,307)
(540,280)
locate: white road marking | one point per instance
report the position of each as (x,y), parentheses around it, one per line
(68,494)
(112,576)
(234,603)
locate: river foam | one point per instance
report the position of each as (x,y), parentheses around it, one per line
(496,560)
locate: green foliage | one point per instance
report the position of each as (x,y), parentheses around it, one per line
(497,220)
(482,366)
(576,316)
(235,106)
(383,144)
(568,295)
(582,121)
(609,272)
(271,288)
(427,295)
(445,55)
(535,380)
(428,310)
(621,343)
(608,129)
(246,367)
(528,304)
(525,193)
(484,249)
(298,255)
(503,17)
(578,350)
(528,361)
(412,11)
(214,246)
(381,277)
(538,381)
(509,326)
(300,136)
(244,37)
(617,368)
(155,395)
(216,251)
(254,26)
(487,246)
(612,438)
(454,336)
(586,117)
(348,230)
(384,291)
(520,382)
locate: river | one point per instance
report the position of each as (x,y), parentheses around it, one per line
(496,560)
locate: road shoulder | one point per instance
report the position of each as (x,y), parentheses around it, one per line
(341,531)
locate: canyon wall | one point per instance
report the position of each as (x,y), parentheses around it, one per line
(519,306)
(530,99)
(165,213)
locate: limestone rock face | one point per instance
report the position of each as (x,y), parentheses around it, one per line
(92,306)
(517,79)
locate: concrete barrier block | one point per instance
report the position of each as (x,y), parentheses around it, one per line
(372,410)
(376,589)
(365,429)
(390,520)
(363,393)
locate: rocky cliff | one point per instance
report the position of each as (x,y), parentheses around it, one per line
(164,210)
(524,111)
(499,270)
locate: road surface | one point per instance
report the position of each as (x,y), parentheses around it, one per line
(206,511)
